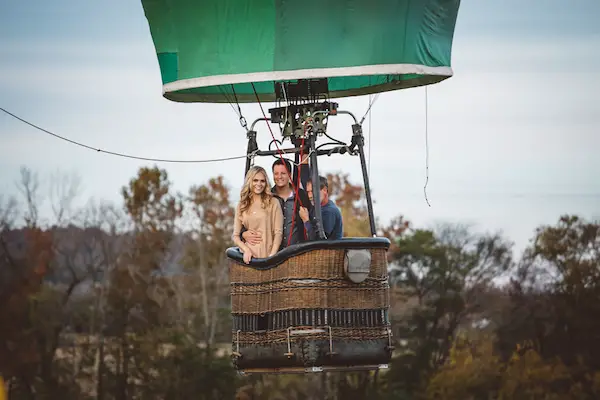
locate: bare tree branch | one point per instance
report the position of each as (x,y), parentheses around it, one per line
(28,186)
(8,212)
(64,189)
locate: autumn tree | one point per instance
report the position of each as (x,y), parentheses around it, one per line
(165,353)
(24,258)
(43,271)
(351,200)
(394,230)
(528,375)
(115,303)
(138,288)
(472,371)
(195,367)
(441,274)
(475,370)
(154,212)
(8,212)
(555,296)
(206,261)
(543,344)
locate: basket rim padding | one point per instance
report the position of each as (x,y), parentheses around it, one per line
(234,253)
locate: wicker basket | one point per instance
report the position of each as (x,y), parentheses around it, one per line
(305,313)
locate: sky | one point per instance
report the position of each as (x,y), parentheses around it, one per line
(513,136)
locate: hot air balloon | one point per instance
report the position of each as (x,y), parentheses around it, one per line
(318,305)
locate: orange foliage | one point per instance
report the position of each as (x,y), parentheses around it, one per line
(27,259)
(352,203)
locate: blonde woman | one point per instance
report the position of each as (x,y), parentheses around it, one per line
(258,210)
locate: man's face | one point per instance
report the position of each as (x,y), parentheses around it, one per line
(280,176)
(322,193)
(324,196)
(309,191)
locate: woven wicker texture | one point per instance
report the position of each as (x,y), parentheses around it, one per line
(307,281)
(280,336)
(315,264)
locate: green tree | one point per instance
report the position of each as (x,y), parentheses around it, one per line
(472,371)
(555,296)
(441,274)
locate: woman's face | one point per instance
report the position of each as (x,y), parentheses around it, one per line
(258,183)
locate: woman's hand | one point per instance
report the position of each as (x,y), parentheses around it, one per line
(247,256)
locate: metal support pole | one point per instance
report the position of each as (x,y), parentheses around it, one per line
(314,169)
(359,141)
(295,175)
(284,151)
(252,147)
(257,120)
(335,150)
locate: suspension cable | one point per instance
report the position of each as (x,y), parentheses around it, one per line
(294,186)
(98,150)
(426,147)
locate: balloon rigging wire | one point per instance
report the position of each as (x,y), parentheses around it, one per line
(120,154)
(426,148)
(370,117)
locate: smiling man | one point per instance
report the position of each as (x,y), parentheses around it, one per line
(284,191)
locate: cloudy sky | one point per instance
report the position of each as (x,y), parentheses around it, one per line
(513,136)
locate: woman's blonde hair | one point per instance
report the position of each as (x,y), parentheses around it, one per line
(246,192)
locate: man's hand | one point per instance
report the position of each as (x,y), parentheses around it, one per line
(252,237)
(303,214)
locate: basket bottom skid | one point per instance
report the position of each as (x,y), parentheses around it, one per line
(312,355)
(301,370)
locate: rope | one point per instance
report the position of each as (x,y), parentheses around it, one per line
(369,109)
(426,149)
(242,119)
(294,187)
(297,187)
(120,154)
(370,119)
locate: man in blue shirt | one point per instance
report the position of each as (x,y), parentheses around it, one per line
(332,217)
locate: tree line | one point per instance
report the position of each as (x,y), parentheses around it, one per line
(131,301)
